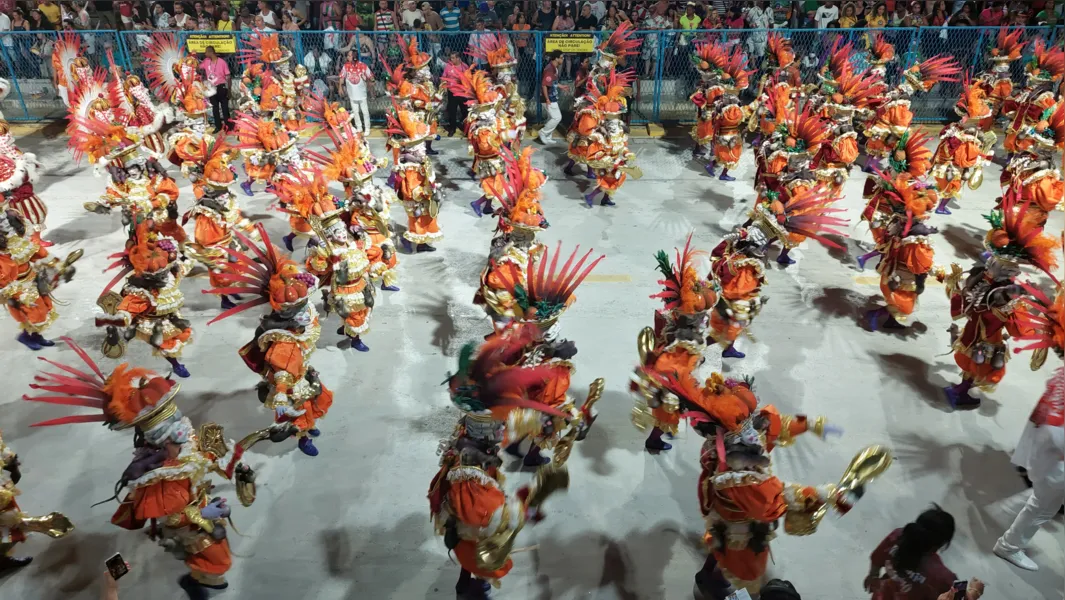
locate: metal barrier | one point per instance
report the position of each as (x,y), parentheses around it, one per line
(665,74)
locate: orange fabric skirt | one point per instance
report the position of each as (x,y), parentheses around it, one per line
(32,317)
(948,189)
(983,374)
(466,554)
(424,227)
(608,183)
(208,232)
(215,560)
(900,302)
(743,564)
(299,225)
(314,410)
(725,329)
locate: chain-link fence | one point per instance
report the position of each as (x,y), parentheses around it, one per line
(665,78)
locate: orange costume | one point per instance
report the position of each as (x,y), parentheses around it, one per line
(1035,171)
(739,497)
(738,272)
(415,180)
(1044,71)
(142,116)
(69,67)
(283,343)
(843,101)
(729,116)
(14,524)
(677,341)
(149,305)
(468,504)
(494,50)
(486,126)
(711,60)
(425,98)
(608,154)
(963,149)
(997,83)
(174,76)
(991,301)
(167,482)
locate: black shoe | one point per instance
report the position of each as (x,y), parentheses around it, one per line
(10,563)
(192,587)
(425,248)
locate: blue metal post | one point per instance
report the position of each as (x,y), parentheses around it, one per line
(539,76)
(14,76)
(656,109)
(299,47)
(976,50)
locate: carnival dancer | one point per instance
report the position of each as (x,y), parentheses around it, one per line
(415,179)
(269,81)
(351,162)
(963,148)
(282,345)
(69,67)
(911,160)
(1043,325)
(737,266)
(881,54)
(608,153)
(621,44)
(175,78)
(726,114)
(143,117)
(484,130)
(167,481)
(587,118)
(468,504)
(28,277)
(709,60)
(19,172)
(425,98)
(1034,169)
(514,241)
(893,116)
(148,307)
(739,497)
(782,74)
(679,337)
(337,258)
(843,101)
(990,298)
(803,209)
(14,524)
(494,50)
(216,212)
(997,82)
(786,156)
(541,296)
(1044,72)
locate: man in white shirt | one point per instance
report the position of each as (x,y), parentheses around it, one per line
(827,13)
(5,25)
(180,18)
(410,14)
(269,18)
(317,63)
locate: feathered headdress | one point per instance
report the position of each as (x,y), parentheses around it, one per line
(258,133)
(1047,63)
(973,102)
(839,57)
(926,74)
(1008,45)
(263,273)
(349,159)
(911,155)
(611,103)
(125,398)
(547,293)
(684,290)
(93,95)
(487,386)
(520,193)
(399,88)
(726,403)
(406,127)
(804,131)
(1015,238)
(306,192)
(808,213)
(67,48)
(102,141)
(1049,132)
(906,196)
(622,42)
(264,48)
(214,156)
(737,71)
(494,50)
(413,58)
(857,90)
(1043,324)
(881,52)
(162,65)
(473,85)
(323,115)
(710,57)
(781,55)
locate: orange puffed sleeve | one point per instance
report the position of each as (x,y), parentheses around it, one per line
(208,232)
(160,499)
(732,116)
(134,304)
(917,258)
(796,425)
(846,149)
(473,502)
(8,270)
(166,186)
(742,285)
(586,124)
(285,356)
(966,155)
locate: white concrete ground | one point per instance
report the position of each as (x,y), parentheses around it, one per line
(353,523)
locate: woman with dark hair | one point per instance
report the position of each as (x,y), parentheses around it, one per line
(906,565)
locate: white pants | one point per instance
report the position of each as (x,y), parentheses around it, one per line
(360,112)
(554,117)
(1041,447)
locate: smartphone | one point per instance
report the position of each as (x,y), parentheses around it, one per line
(959,589)
(740,595)
(116,566)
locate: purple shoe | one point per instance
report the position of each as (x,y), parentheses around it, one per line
(872,318)
(390,288)
(784,259)
(942,208)
(590,174)
(306,446)
(655,443)
(392,180)
(271,189)
(726,177)
(357,344)
(958,395)
(227,303)
(606,201)
(865,257)
(732,352)
(246,186)
(314,432)
(476,206)
(42,341)
(589,198)
(27,340)
(534,458)
(287,240)
(711,169)
(179,369)
(407,246)
(568,169)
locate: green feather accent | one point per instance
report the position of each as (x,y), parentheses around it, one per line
(663,264)
(995,219)
(1046,113)
(772,196)
(749,380)
(521,296)
(466,357)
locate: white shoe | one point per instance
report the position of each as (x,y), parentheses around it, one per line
(1018,558)
(545,141)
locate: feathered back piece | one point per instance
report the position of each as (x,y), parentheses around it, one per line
(473,85)
(839,57)
(858,89)
(1015,237)
(911,154)
(547,293)
(1008,45)
(102,141)
(489,386)
(494,50)
(906,195)
(806,130)
(405,126)
(736,67)
(264,274)
(684,290)
(348,159)
(124,398)
(67,48)
(162,61)
(926,74)
(1044,322)
(95,95)
(727,403)
(973,103)
(1047,63)
(811,213)
(622,42)
(780,51)
(258,133)
(397,84)
(264,48)
(413,58)
(880,50)
(710,56)
(520,193)
(306,193)
(323,115)
(612,101)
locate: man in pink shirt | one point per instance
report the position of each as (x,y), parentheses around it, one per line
(217,72)
(992,15)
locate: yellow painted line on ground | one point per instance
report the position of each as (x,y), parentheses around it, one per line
(875,280)
(24,129)
(593,278)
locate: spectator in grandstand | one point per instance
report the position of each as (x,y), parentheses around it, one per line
(384,19)
(268,15)
(878,17)
(433,20)
(217,72)
(287,24)
(351,20)
(689,21)
(224,23)
(451,16)
(849,18)
(410,13)
(160,17)
(564,22)
(759,18)
(476,38)
(918,18)
(327,11)
(318,63)
(180,18)
(993,14)
(825,14)
(598,8)
(544,19)
(649,48)
(51,12)
(124,10)
(586,21)
(288,8)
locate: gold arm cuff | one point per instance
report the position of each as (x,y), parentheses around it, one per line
(192,513)
(819,427)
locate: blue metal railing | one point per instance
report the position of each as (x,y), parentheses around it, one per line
(666,74)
